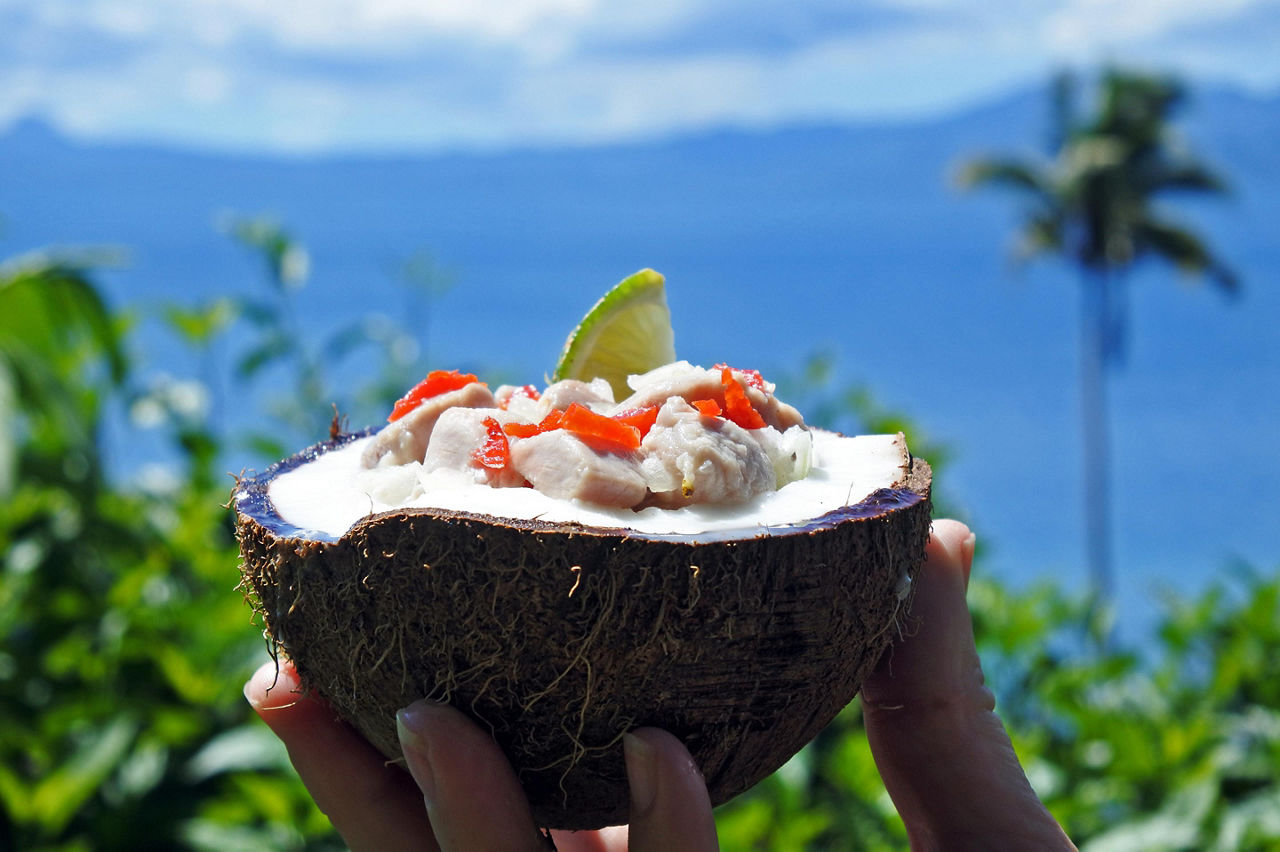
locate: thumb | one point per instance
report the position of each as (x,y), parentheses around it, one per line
(944,755)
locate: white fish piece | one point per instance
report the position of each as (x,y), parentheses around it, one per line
(713,460)
(458,433)
(405,439)
(516,398)
(684,380)
(596,395)
(562,466)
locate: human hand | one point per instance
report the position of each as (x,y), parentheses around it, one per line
(472,798)
(942,752)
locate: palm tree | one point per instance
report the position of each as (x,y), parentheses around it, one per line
(1094,204)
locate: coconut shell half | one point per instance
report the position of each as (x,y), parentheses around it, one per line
(560,638)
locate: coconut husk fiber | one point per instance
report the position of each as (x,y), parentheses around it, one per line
(559,638)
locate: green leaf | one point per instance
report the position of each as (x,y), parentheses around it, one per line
(276,347)
(57,798)
(250,747)
(49,305)
(199,325)
(288,262)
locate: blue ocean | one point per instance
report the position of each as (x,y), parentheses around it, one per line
(850,241)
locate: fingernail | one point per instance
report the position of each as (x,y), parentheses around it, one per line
(411,724)
(642,773)
(272,686)
(967,547)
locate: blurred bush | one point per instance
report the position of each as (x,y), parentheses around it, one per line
(125,640)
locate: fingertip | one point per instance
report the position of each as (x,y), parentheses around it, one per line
(371,804)
(666,753)
(950,533)
(671,809)
(642,773)
(952,544)
(967,548)
(414,726)
(273,686)
(472,794)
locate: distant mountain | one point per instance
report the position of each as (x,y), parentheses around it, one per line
(1234,120)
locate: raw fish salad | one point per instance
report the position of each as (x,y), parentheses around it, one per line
(685,436)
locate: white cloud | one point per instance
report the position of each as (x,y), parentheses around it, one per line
(309,74)
(342,26)
(1089,23)
(207,84)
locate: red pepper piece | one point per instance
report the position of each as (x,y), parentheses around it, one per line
(436,383)
(641,418)
(752,377)
(552,421)
(598,430)
(707,407)
(528,430)
(494,453)
(521,430)
(527,391)
(737,406)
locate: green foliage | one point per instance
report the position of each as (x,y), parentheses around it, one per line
(277,352)
(125,641)
(120,722)
(1177,750)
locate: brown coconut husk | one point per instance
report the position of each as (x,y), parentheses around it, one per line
(559,639)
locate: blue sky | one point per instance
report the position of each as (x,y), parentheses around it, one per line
(317,75)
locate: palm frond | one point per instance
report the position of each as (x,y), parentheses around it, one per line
(1042,234)
(1018,175)
(1184,175)
(1185,250)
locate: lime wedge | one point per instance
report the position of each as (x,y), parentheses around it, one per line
(626,332)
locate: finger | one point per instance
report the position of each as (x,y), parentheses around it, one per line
(612,839)
(936,663)
(371,804)
(944,755)
(670,808)
(471,792)
(955,542)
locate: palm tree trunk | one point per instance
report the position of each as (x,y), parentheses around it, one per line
(1096,331)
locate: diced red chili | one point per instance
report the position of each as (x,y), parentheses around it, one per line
(753,377)
(707,407)
(521,430)
(494,453)
(528,430)
(641,418)
(436,383)
(599,430)
(737,407)
(526,391)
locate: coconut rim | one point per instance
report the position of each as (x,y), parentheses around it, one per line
(252,500)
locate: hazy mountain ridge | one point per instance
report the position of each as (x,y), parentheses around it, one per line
(1214,116)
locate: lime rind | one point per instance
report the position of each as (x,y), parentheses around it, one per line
(628,331)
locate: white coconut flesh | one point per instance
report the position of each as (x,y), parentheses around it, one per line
(325,497)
